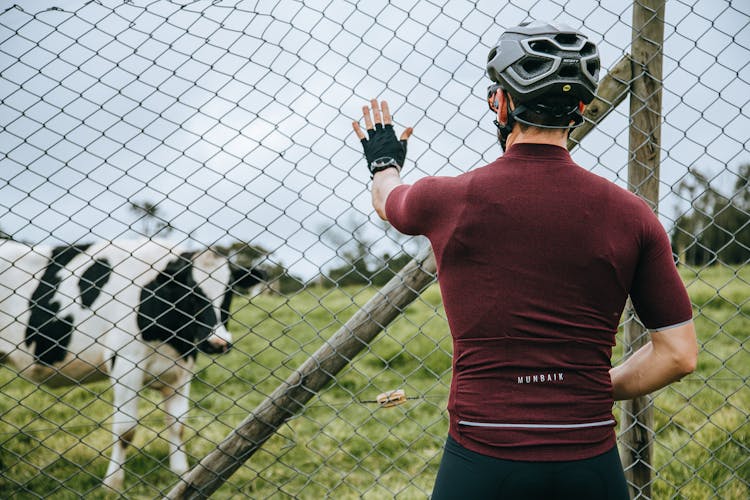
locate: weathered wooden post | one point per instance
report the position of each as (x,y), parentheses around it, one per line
(637,419)
(291,396)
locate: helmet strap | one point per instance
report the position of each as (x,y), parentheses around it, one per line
(506,128)
(576,117)
(568,114)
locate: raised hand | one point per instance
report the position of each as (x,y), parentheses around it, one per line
(382,149)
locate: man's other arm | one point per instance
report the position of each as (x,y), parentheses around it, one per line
(670,355)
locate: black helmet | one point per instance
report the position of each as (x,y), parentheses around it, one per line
(545,59)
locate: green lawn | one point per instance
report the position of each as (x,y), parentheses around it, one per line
(341,448)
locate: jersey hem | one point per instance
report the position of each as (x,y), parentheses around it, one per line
(676,325)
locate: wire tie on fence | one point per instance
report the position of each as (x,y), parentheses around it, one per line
(389,399)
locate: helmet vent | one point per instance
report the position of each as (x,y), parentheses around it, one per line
(592,67)
(588,49)
(534,66)
(542,46)
(568,71)
(566,38)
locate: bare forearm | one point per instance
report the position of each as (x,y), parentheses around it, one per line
(667,358)
(382,184)
(641,374)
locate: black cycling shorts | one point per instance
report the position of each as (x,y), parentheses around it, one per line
(468,475)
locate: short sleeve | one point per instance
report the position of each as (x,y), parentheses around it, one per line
(419,208)
(658,293)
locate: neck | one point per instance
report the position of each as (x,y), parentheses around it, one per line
(534,135)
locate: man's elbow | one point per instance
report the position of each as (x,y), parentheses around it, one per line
(686,357)
(678,348)
(688,361)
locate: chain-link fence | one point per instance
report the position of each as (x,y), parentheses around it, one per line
(144,132)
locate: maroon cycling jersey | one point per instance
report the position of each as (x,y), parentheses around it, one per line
(536,257)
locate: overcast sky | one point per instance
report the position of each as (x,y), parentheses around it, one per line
(235,116)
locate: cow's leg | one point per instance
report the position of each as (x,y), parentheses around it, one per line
(127,380)
(176,406)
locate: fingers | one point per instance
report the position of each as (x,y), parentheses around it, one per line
(358,130)
(377,117)
(406,134)
(387,120)
(381,115)
(368,120)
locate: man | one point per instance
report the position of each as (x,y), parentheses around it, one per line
(536,257)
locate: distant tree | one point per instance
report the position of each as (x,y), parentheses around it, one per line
(360,266)
(243,254)
(717,227)
(351,248)
(248,256)
(149,216)
(390,266)
(282,281)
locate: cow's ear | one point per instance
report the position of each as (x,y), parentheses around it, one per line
(245,278)
(179,269)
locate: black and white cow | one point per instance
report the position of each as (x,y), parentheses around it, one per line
(135,312)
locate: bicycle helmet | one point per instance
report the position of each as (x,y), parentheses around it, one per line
(545,59)
(548,68)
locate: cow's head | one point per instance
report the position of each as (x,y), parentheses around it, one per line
(221,280)
(187,305)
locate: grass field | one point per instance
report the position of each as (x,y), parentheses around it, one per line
(54,443)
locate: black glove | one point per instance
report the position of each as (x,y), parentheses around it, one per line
(382,143)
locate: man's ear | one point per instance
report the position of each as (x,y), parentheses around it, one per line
(502,108)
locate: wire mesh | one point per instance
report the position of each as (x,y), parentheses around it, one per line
(226,125)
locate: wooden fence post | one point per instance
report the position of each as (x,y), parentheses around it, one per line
(292,395)
(637,418)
